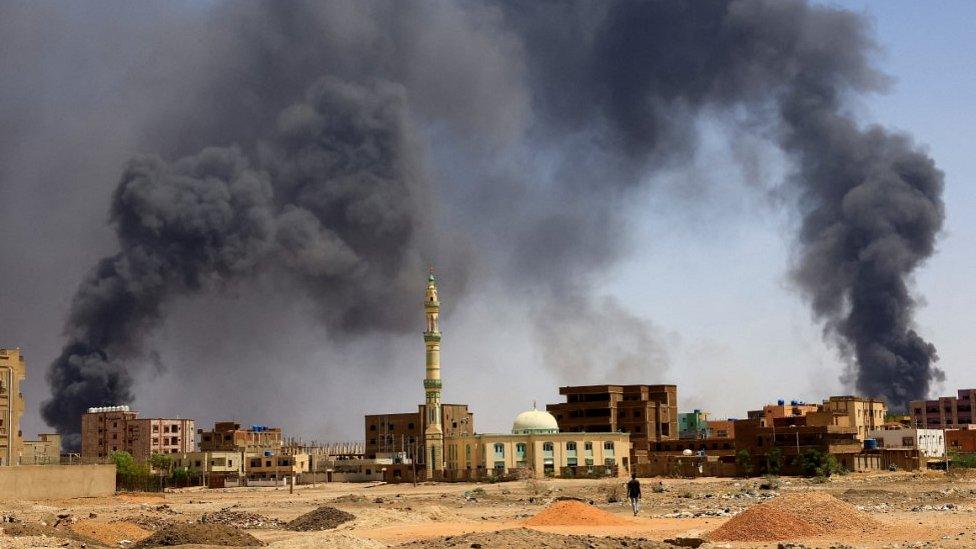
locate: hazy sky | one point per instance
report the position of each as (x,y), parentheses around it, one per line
(708,250)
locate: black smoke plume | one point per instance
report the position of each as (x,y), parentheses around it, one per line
(307,132)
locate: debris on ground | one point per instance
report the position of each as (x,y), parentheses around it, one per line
(240,519)
(109,532)
(350,498)
(202,534)
(323,518)
(524,537)
(795,516)
(570,512)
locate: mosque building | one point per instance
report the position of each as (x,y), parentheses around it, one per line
(440,438)
(534,447)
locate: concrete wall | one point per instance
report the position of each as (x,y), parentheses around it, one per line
(35,482)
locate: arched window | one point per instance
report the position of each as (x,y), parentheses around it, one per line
(571,446)
(547,447)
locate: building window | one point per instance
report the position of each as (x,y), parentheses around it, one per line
(372,427)
(588,446)
(571,446)
(410,426)
(499,449)
(608,446)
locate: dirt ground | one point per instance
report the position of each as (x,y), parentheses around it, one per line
(915,510)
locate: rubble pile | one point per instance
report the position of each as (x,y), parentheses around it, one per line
(570,512)
(202,534)
(323,518)
(240,519)
(796,516)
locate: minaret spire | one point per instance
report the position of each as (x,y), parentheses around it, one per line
(434,434)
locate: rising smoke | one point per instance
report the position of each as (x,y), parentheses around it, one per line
(303,154)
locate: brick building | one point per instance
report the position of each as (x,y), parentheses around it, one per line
(649,413)
(782,409)
(116,428)
(228,436)
(961,440)
(404,432)
(951,412)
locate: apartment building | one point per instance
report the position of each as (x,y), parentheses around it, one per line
(13,371)
(271,465)
(404,432)
(949,412)
(212,462)
(117,428)
(865,414)
(230,436)
(648,413)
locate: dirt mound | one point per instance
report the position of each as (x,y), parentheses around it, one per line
(109,532)
(796,516)
(524,537)
(203,534)
(323,518)
(570,512)
(240,519)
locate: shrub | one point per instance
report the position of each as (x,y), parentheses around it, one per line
(612,490)
(743,461)
(770,482)
(774,461)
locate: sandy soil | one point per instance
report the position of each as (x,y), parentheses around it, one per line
(921,510)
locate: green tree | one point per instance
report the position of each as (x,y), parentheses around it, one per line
(161,462)
(774,460)
(814,463)
(125,464)
(743,461)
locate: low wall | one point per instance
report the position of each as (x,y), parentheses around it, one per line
(34,482)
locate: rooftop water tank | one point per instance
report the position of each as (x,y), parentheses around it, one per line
(870,444)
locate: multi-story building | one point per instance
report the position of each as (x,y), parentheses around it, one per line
(46,450)
(117,428)
(228,436)
(944,413)
(13,370)
(930,442)
(404,432)
(648,413)
(693,425)
(866,414)
(213,462)
(536,447)
(275,465)
(721,428)
(782,409)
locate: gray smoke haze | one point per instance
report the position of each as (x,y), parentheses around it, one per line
(340,147)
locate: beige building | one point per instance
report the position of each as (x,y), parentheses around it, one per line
(536,447)
(270,465)
(117,428)
(865,414)
(13,370)
(228,463)
(46,450)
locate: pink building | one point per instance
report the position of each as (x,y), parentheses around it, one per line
(116,428)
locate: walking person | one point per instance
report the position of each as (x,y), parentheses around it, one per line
(634,493)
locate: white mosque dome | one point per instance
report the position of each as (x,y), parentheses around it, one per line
(534,422)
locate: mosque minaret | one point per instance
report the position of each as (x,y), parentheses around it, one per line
(434,434)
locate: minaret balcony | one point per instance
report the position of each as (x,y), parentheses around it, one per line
(432,304)
(432,384)
(432,336)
